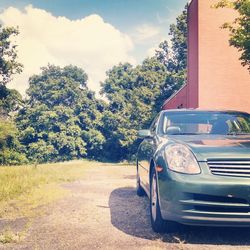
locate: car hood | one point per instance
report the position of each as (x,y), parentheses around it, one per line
(215,147)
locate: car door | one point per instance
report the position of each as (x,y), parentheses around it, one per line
(145,154)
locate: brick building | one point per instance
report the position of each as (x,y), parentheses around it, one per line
(216,78)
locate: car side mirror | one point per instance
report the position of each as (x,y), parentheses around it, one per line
(144,133)
(173,130)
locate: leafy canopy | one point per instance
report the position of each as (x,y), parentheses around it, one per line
(62,119)
(136,94)
(8,55)
(240,28)
(58,116)
(132,93)
(174,56)
(9,99)
(10,148)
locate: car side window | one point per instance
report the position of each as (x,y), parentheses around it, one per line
(154,125)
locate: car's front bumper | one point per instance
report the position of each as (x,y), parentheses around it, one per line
(205,199)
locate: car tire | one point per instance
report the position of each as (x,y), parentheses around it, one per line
(159,225)
(139,190)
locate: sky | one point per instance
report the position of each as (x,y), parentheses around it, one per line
(92,34)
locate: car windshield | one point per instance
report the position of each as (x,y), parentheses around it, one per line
(221,123)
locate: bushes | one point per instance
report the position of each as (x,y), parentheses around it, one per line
(59,121)
(10,148)
(12,157)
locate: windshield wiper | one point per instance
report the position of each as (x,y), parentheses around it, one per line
(188,134)
(238,133)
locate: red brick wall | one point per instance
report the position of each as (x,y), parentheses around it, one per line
(223,82)
(179,100)
(193,52)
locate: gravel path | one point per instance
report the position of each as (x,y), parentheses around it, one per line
(103,212)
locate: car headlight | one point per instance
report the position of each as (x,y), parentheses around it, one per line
(181,159)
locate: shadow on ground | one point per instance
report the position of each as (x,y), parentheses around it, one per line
(130,214)
(131,177)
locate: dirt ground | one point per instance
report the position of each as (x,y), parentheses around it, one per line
(103,212)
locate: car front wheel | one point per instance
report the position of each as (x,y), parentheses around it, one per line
(159,225)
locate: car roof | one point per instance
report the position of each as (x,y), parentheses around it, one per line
(204,110)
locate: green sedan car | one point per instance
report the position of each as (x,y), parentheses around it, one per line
(195,167)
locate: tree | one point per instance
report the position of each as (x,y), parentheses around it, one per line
(10,148)
(58,116)
(240,28)
(136,94)
(174,57)
(9,99)
(132,92)
(8,55)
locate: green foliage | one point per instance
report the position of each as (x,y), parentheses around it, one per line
(179,33)
(94,143)
(12,157)
(8,64)
(240,28)
(62,119)
(136,94)
(58,116)
(10,148)
(10,101)
(56,86)
(174,57)
(132,93)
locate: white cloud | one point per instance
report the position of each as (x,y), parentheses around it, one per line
(146,32)
(89,43)
(151,51)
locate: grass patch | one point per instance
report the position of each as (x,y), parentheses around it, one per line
(24,188)
(8,236)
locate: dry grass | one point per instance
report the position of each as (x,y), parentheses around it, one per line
(24,188)
(8,236)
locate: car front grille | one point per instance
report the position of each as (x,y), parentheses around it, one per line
(236,168)
(212,208)
(215,204)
